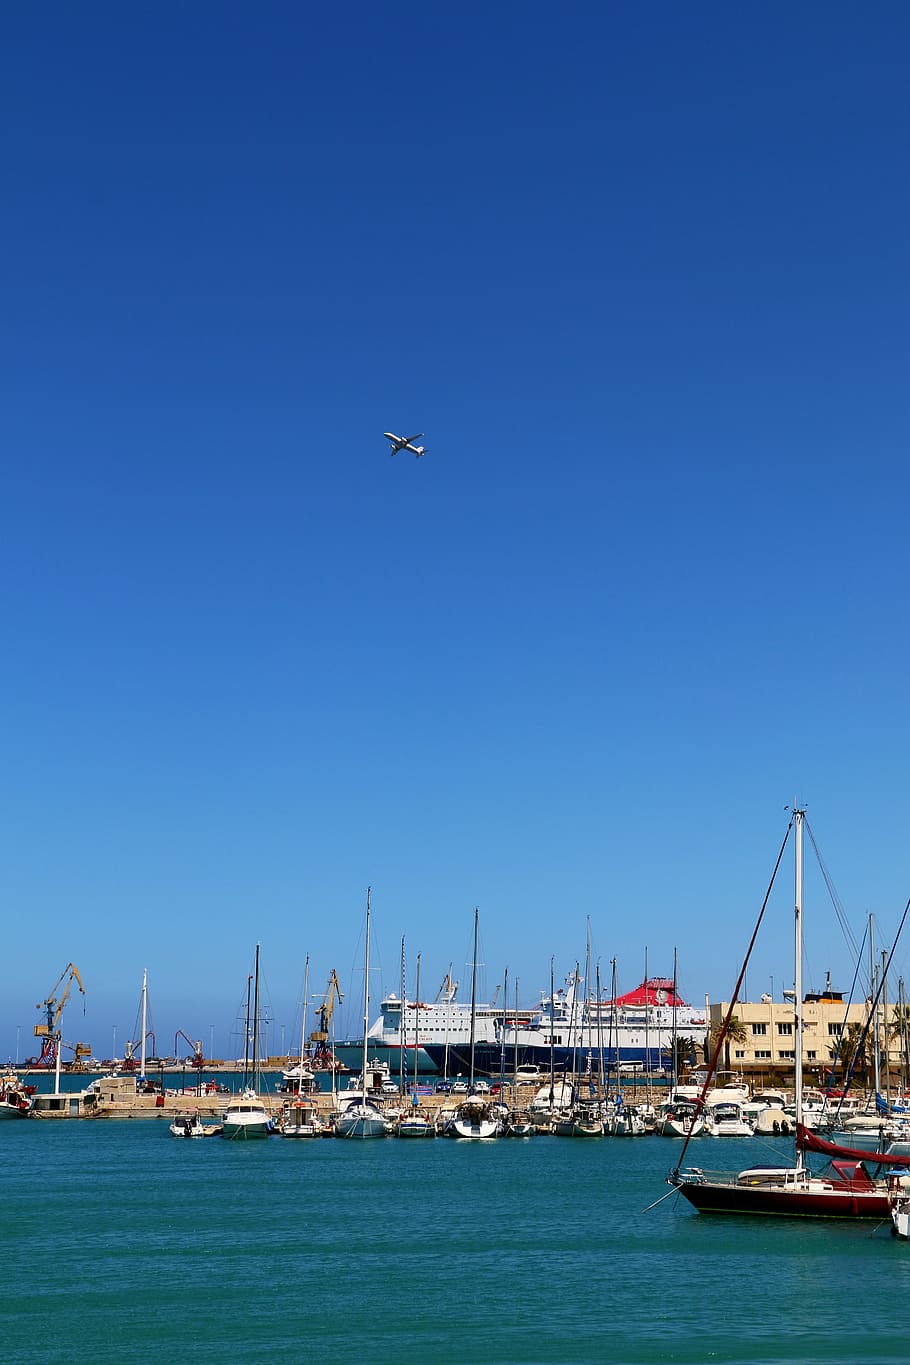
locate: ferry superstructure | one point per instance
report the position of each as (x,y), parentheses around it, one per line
(633,1032)
(443,1028)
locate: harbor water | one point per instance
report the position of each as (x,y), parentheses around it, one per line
(123,1244)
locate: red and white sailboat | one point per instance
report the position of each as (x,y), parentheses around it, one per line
(855,1183)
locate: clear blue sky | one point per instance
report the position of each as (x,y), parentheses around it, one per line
(641,276)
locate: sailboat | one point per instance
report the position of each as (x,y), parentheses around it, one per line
(359,1117)
(415,1124)
(849,1188)
(300,1115)
(246,1116)
(473,1118)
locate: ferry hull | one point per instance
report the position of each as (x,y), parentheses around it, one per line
(350,1054)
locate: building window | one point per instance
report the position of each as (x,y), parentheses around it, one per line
(787,1056)
(761,1056)
(835,1030)
(785,1030)
(811,1056)
(739,1054)
(759,1030)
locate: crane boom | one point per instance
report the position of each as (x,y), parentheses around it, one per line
(49,1030)
(326,1009)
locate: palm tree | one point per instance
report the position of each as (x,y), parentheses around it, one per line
(736,1033)
(851,1051)
(686,1049)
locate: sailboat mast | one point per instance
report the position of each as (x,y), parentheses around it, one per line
(306,1001)
(505,1012)
(256,1077)
(145,1009)
(885,1029)
(798,968)
(552,1033)
(515,1036)
(402,1036)
(674,1064)
(600,1037)
(473,998)
(416,1026)
(366,998)
(648,999)
(246,1037)
(614,1026)
(873,994)
(587,1004)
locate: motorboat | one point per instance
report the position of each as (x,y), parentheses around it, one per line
(727,1119)
(246,1116)
(187,1125)
(16,1101)
(299,1119)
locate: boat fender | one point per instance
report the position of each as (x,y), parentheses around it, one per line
(776,1126)
(785,1126)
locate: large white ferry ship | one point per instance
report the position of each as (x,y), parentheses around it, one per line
(632,1032)
(443,1033)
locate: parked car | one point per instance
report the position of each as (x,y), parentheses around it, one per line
(481,1088)
(442,1087)
(459,1087)
(389,1088)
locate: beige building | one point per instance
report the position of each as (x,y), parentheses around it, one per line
(767,1052)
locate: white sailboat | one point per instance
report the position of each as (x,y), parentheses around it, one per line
(416,1124)
(246,1116)
(357,1115)
(474,1118)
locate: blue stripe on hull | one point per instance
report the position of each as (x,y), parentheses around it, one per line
(489,1061)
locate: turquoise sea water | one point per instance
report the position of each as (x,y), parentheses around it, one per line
(124,1244)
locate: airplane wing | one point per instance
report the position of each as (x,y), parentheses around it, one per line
(390,436)
(416,437)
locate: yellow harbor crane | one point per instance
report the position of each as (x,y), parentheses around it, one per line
(49,1032)
(320,1035)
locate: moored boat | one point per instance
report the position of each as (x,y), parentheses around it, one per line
(187,1125)
(852,1186)
(15,1100)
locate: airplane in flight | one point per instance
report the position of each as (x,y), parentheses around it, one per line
(405,443)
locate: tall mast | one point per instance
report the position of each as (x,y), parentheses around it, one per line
(256,1076)
(416,1026)
(473,998)
(552,1038)
(515,1036)
(587,1004)
(402,1036)
(614,1028)
(145,1003)
(885,1039)
(505,1013)
(647,1033)
(449,994)
(366,999)
(306,995)
(798,967)
(246,1039)
(600,1038)
(674,1064)
(873,994)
